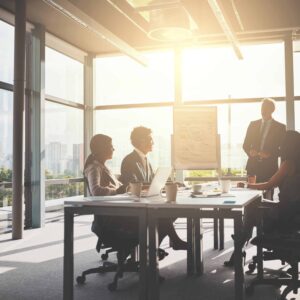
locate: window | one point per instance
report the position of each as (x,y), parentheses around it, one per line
(119,123)
(6,52)
(216,73)
(296,59)
(63,149)
(64,76)
(63,125)
(297,113)
(120,80)
(6,137)
(63,140)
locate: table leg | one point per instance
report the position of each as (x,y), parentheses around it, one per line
(199,246)
(191,246)
(221,233)
(68,255)
(216,232)
(143,235)
(259,249)
(153,263)
(238,259)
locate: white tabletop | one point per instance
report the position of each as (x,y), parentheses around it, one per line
(238,198)
(234,199)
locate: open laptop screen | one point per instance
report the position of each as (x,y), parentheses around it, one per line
(159,180)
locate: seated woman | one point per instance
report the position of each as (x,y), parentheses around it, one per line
(101,182)
(287,178)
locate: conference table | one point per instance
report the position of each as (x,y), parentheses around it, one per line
(227,206)
(149,211)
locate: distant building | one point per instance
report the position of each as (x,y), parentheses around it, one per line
(55,161)
(77,161)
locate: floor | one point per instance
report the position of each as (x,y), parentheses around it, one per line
(32,268)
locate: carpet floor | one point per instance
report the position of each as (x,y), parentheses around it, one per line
(32,268)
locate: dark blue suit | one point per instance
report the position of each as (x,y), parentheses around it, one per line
(264,169)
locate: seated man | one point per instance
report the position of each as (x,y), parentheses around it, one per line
(136,168)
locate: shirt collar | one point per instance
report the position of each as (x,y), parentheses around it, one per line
(140,153)
(267,122)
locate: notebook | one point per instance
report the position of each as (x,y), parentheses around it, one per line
(159,180)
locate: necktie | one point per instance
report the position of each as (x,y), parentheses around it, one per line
(262,131)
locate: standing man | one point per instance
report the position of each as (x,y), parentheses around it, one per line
(262,143)
(135,167)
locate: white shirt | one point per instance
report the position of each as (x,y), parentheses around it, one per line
(265,125)
(143,157)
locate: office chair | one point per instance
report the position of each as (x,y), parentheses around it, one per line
(100,245)
(120,243)
(285,247)
(281,243)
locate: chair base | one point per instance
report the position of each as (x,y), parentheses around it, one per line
(110,267)
(267,255)
(291,281)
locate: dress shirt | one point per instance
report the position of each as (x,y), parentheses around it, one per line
(143,158)
(265,127)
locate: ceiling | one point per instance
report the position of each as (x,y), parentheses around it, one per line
(259,19)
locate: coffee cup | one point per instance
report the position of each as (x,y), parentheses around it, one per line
(171,192)
(225,185)
(135,188)
(240,184)
(197,188)
(251,179)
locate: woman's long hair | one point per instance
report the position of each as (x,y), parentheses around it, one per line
(98,145)
(290,148)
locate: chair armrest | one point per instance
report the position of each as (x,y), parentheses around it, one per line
(267,204)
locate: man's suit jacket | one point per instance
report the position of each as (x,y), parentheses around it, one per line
(265,168)
(132,169)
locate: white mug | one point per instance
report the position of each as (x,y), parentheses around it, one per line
(197,188)
(225,185)
(171,192)
(135,188)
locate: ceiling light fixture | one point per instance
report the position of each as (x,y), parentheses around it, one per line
(169,24)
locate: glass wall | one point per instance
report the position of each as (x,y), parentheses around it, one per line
(207,74)
(296,59)
(216,73)
(120,80)
(6,115)
(6,134)
(118,124)
(6,52)
(63,125)
(64,76)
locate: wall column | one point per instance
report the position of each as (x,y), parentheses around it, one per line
(18,107)
(289,82)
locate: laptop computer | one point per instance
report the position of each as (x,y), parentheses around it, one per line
(158,181)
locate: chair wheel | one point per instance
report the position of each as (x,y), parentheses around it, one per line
(249,290)
(104,256)
(80,279)
(251,268)
(112,286)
